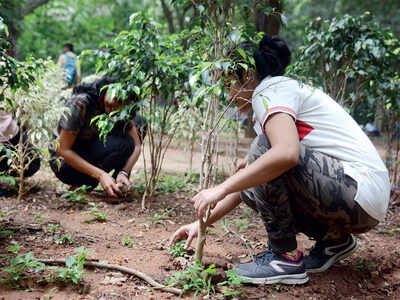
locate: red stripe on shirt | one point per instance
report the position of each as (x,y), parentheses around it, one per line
(303,129)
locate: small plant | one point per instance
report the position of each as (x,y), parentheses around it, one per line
(392,231)
(232,284)
(169,184)
(162,218)
(17,267)
(177,249)
(38,217)
(96,215)
(127,242)
(74,266)
(64,240)
(52,228)
(77,195)
(195,278)
(242,224)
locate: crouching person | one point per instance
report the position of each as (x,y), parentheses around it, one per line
(311,169)
(81,157)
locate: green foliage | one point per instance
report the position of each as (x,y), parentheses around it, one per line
(18,265)
(232,284)
(77,196)
(95,214)
(64,239)
(177,250)
(393,231)
(85,23)
(74,266)
(127,242)
(351,57)
(162,218)
(195,278)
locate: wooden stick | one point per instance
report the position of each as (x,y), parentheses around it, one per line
(123,269)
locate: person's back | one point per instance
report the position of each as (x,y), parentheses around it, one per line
(324,126)
(69,62)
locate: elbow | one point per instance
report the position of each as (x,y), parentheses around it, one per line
(291,157)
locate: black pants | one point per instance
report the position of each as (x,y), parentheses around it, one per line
(108,156)
(31,154)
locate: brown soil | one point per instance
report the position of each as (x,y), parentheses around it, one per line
(373,272)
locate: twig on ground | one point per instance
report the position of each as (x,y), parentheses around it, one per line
(123,269)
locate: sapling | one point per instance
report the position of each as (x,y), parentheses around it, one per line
(36,111)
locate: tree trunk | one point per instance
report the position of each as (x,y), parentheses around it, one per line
(169,16)
(15,23)
(270,24)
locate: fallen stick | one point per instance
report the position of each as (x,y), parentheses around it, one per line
(126,270)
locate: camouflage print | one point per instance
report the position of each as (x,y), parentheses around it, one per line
(314,198)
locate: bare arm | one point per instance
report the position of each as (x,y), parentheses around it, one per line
(66,141)
(283,155)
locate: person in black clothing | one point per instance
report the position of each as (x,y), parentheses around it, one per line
(81,157)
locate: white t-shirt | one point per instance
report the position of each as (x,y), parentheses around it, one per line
(324,126)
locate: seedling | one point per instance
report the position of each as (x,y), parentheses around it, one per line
(74,266)
(96,215)
(177,249)
(392,231)
(232,283)
(77,195)
(52,228)
(38,217)
(162,218)
(127,241)
(241,224)
(18,265)
(64,239)
(195,278)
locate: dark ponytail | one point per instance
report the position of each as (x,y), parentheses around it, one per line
(272,57)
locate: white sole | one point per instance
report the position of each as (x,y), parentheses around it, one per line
(351,249)
(285,279)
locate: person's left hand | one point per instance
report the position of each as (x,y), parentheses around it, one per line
(123,180)
(207,197)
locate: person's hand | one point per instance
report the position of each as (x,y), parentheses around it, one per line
(123,180)
(109,185)
(188,232)
(207,197)
(241,164)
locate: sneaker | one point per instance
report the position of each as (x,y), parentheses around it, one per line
(271,268)
(325,253)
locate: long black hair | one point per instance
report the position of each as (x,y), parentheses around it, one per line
(94,90)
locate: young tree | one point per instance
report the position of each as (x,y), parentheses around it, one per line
(154,67)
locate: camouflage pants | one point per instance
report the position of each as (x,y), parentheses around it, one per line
(314,198)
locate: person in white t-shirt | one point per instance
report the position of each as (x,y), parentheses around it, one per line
(311,169)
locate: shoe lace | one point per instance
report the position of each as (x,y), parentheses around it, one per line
(263,256)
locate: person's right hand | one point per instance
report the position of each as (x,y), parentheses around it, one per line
(109,185)
(188,232)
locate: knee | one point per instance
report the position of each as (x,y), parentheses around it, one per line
(258,147)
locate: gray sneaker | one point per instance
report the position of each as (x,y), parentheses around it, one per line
(326,253)
(271,268)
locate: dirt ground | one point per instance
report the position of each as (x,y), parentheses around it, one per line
(373,272)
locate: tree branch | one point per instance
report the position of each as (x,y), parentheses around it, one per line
(31,5)
(126,270)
